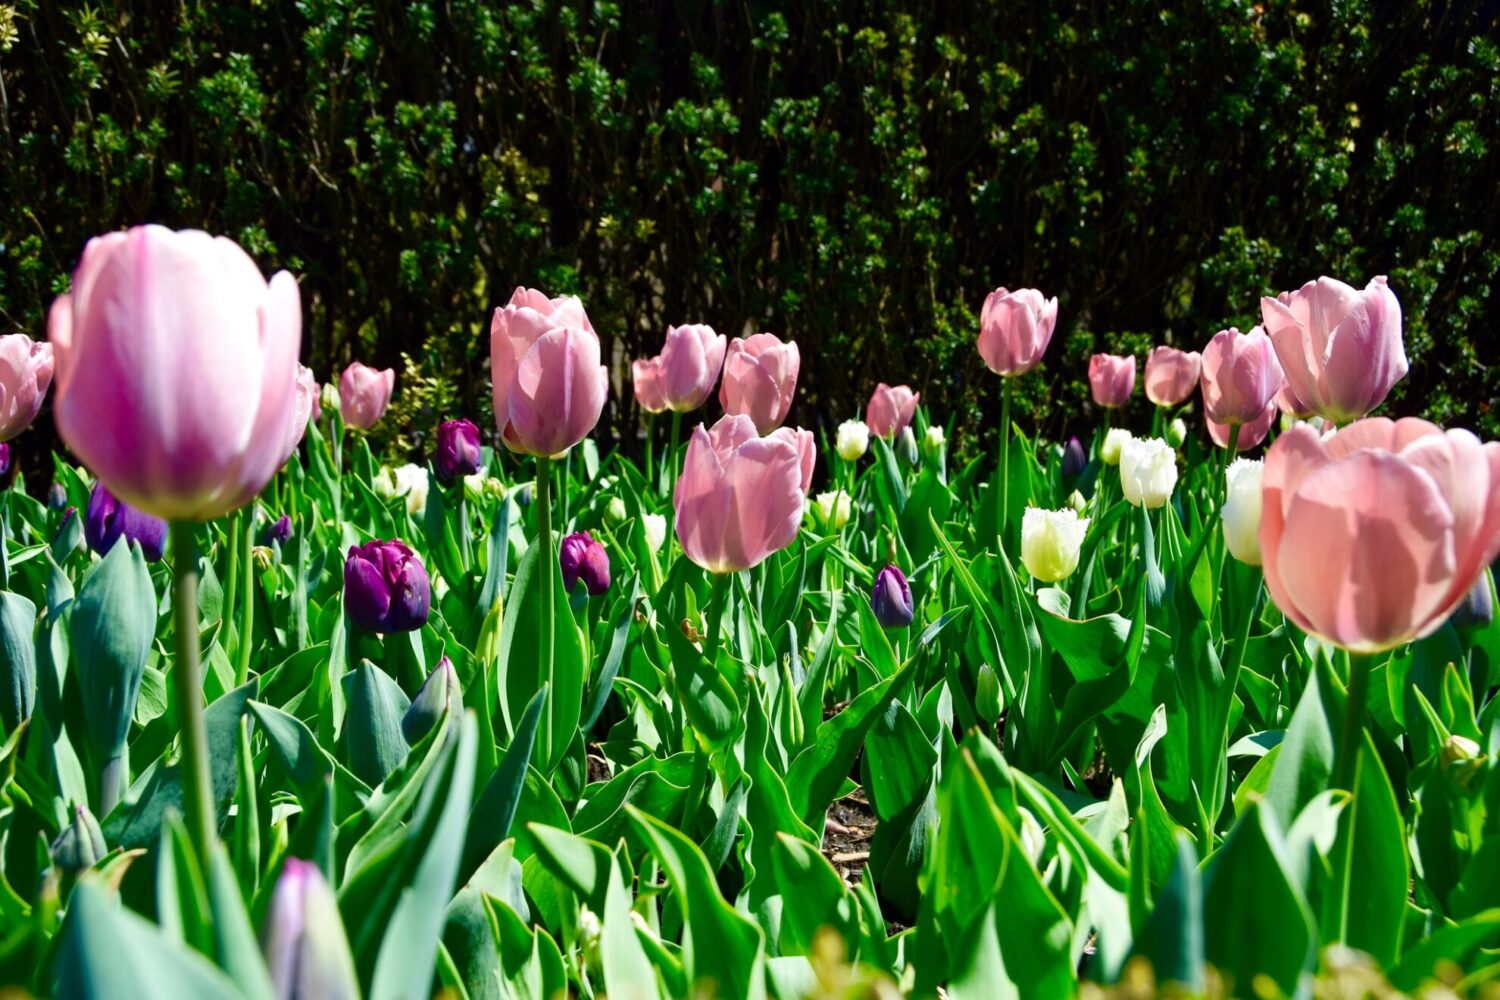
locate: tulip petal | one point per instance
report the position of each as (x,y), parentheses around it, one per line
(558,392)
(764,478)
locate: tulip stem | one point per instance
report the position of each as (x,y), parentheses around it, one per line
(1351,740)
(718,597)
(548,569)
(1004,459)
(247,619)
(650,447)
(672,455)
(197,794)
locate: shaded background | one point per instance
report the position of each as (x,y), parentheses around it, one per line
(854,175)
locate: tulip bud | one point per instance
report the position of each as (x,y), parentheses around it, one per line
(57,496)
(330,398)
(364,393)
(934,441)
(614,513)
(1113,442)
(1477,609)
(81,843)
(1073,459)
(457,452)
(760,379)
(1176,433)
(987,695)
(279,531)
(589,932)
(386,588)
(109,519)
(890,598)
(1014,329)
(1111,379)
(1077,502)
(439,693)
(1461,759)
(853,440)
(495,488)
(1242,505)
(263,557)
(1148,472)
(6,467)
(582,558)
(908,446)
(655,526)
(306,951)
(833,509)
(891,409)
(1033,838)
(474,487)
(1050,542)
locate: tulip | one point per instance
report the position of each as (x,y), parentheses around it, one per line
(833,509)
(615,512)
(109,519)
(1240,376)
(25,374)
(890,598)
(760,377)
(655,527)
(1111,379)
(646,379)
(549,387)
(583,558)
(1171,375)
(80,844)
(1148,471)
(1051,541)
(6,465)
(1241,513)
(890,410)
(457,453)
(1341,349)
(1290,405)
(934,441)
(1014,330)
(409,481)
(386,588)
(1114,441)
(176,367)
(1177,433)
(1250,434)
(740,496)
(908,445)
(364,393)
(685,371)
(279,531)
(306,952)
(1374,534)
(987,700)
(853,440)
(329,398)
(304,403)
(1077,503)
(440,693)
(1073,458)
(57,496)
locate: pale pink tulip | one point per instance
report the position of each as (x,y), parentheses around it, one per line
(25,374)
(1171,375)
(760,378)
(304,403)
(1111,379)
(1014,329)
(1240,376)
(176,365)
(740,496)
(1341,348)
(1288,403)
(549,387)
(646,377)
(1251,434)
(807,451)
(691,359)
(1373,535)
(364,393)
(890,410)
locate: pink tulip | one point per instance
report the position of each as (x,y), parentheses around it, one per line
(364,393)
(1372,536)
(650,393)
(1341,348)
(303,404)
(1112,379)
(691,360)
(1288,403)
(176,367)
(25,374)
(740,496)
(1014,329)
(1171,375)
(760,377)
(549,387)
(1240,376)
(807,451)
(890,410)
(1251,434)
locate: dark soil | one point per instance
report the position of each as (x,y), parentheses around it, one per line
(846,836)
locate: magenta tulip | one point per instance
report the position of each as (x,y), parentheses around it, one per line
(25,374)
(890,410)
(1240,376)
(760,378)
(549,387)
(1373,535)
(1250,435)
(1014,329)
(1111,379)
(176,365)
(1341,348)
(650,392)
(684,373)
(740,496)
(1171,375)
(364,393)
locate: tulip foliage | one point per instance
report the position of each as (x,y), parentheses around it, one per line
(1114,711)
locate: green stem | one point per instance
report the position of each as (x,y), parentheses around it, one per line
(548,570)
(1004,458)
(1156,421)
(672,455)
(187,678)
(718,597)
(650,448)
(247,619)
(1234,442)
(232,537)
(1351,739)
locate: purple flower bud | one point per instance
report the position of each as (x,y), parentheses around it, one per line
(278,531)
(57,496)
(386,587)
(5,464)
(891,598)
(584,559)
(439,693)
(1073,459)
(109,519)
(457,452)
(306,951)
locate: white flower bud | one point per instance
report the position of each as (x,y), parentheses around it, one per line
(1148,471)
(1113,441)
(832,509)
(1050,542)
(1241,516)
(853,440)
(655,526)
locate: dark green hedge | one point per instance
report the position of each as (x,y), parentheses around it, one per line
(852,174)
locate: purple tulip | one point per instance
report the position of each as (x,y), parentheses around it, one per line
(57,496)
(457,452)
(583,558)
(279,531)
(109,519)
(307,953)
(1073,458)
(891,598)
(6,468)
(386,587)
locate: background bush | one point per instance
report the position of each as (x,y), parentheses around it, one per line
(853,175)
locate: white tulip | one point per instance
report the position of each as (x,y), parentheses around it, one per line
(1241,516)
(412,481)
(1148,471)
(934,441)
(1050,542)
(833,509)
(853,440)
(1113,441)
(655,526)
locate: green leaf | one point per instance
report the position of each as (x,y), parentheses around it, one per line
(1173,938)
(628,973)
(372,735)
(495,811)
(17,659)
(1368,898)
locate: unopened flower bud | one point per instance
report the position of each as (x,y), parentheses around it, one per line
(81,844)
(583,558)
(853,440)
(1176,433)
(1113,442)
(440,693)
(832,509)
(987,695)
(614,514)
(891,600)
(934,441)
(655,527)
(306,951)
